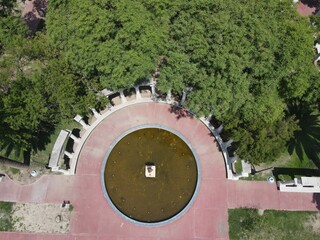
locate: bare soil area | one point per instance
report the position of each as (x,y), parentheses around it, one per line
(131,96)
(23,175)
(116,100)
(314,223)
(145,93)
(44,218)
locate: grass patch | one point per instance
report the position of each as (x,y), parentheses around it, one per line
(14,170)
(283,177)
(245,223)
(294,161)
(6,222)
(284,161)
(303,150)
(42,157)
(13,155)
(238,166)
(304,147)
(256,177)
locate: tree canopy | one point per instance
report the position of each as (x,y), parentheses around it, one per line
(245,60)
(37,88)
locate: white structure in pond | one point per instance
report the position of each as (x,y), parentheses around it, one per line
(305,184)
(150,171)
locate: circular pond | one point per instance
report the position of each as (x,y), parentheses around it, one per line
(150,175)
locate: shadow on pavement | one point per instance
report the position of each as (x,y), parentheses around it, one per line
(311,3)
(316,200)
(180,112)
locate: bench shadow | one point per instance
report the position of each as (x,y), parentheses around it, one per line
(70,147)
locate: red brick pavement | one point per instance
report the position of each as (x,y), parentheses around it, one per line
(307,7)
(93,218)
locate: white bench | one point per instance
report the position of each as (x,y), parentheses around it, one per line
(304,184)
(58,150)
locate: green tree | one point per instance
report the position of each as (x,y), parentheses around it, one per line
(37,89)
(245,60)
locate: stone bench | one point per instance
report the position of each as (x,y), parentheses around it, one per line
(304,184)
(58,150)
(229,161)
(154,97)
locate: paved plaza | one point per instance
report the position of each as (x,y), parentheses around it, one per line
(92,217)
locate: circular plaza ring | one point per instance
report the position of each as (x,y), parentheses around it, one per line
(150,175)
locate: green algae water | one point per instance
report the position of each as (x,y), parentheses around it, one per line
(146,199)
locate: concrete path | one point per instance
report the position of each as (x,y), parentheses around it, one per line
(263,195)
(93,218)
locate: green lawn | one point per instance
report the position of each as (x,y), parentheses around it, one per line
(238,166)
(14,155)
(303,149)
(303,162)
(14,170)
(246,224)
(6,223)
(41,157)
(256,177)
(285,161)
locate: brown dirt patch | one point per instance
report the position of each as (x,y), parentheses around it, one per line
(23,176)
(116,100)
(145,93)
(314,223)
(45,218)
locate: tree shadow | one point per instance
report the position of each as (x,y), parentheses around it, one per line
(40,6)
(38,142)
(180,112)
(215,141)
(311,3)
(42,138)
(7,7)
(316,200)
(35,19)
(9,148)
(32,21)
(142,81)
(307,139)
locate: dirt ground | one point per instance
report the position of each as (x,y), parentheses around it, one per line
(314,223)
(45,218)
(23,176)
(116,100)
(145,93)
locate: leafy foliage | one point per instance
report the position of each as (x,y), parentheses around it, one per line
(246,61)
(37,90)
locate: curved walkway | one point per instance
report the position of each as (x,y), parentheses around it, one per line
(93,218)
